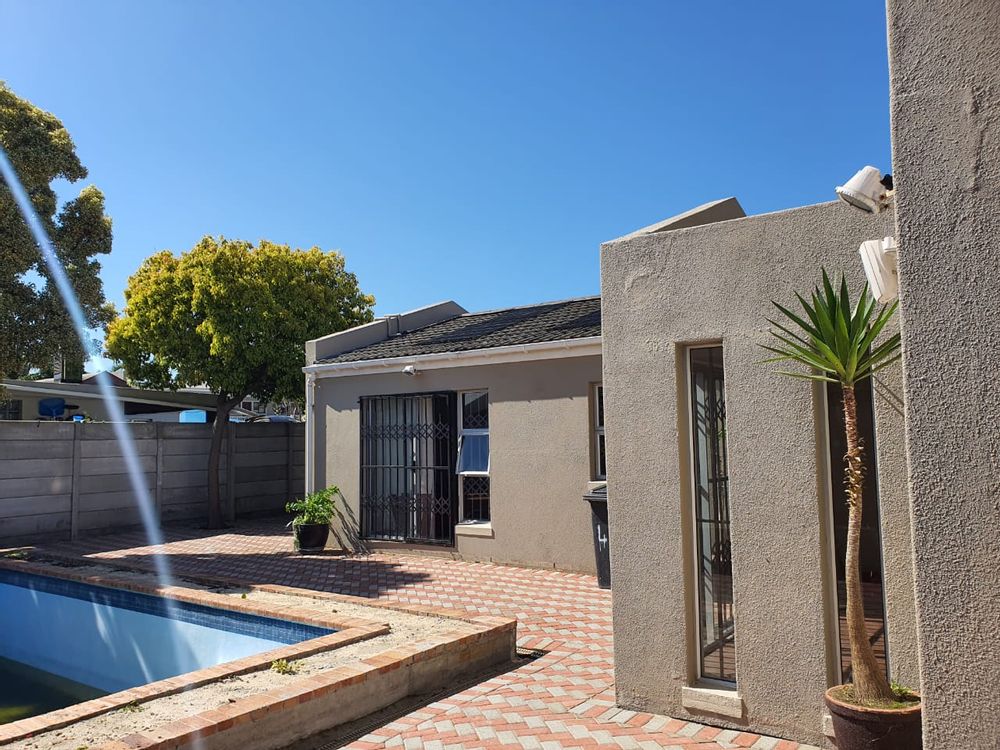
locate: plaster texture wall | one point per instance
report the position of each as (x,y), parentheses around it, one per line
(540,453)
(660,293)
(945,98)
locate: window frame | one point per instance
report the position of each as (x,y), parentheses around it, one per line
(597,430)
(12,406)
(471,431)
(696,604)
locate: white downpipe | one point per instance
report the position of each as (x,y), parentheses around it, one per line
(310,480)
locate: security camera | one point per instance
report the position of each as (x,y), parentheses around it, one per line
(879,260)
(867,190)
(410,370)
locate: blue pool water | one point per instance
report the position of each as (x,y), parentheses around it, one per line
(110,640)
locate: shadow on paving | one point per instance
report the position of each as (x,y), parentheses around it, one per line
(368,577)
(345,734)
(269,559)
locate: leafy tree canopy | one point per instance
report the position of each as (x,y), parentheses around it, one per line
(34,325)
(233,316)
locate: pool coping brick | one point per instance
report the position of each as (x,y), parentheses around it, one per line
(348,630)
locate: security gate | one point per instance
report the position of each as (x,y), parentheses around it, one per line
(409,490)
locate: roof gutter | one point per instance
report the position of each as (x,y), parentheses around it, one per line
(582,347)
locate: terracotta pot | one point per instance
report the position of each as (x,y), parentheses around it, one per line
(861,728)
(310,538)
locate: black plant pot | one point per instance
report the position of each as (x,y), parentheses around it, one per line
(861,728)
(310,538)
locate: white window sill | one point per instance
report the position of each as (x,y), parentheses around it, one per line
(712,700)
(474,529)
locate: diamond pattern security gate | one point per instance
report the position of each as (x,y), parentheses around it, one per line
(409,489)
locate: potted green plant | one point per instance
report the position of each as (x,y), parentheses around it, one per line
(839,343)
(311,524)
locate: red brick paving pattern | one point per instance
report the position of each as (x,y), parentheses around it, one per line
(565,699)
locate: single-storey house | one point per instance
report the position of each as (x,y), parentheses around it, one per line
(472,433)
(26,400)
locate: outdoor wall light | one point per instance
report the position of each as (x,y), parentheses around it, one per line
(867,190)
(409,370)
(879,260)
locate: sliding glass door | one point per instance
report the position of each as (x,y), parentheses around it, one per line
(408,483)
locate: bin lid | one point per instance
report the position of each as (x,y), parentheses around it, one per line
(597,495)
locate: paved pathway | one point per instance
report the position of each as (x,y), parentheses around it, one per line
(565,699)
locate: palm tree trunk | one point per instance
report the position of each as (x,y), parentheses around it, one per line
(870,683)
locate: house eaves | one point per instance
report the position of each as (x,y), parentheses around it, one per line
(565,348)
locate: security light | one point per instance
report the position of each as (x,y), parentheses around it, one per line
(879,260)
(409,370)
(867,190)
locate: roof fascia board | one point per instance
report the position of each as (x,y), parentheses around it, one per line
(542,350)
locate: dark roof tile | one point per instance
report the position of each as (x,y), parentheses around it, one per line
(552,321)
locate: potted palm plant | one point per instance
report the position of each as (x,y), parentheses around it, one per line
(311,524)
(838,342)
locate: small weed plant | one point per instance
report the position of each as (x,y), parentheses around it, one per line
(283,666)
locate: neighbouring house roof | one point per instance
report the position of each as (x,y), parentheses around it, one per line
(45,388)
(117,378)
(532,324)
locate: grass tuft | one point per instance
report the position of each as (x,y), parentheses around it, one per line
(283,666)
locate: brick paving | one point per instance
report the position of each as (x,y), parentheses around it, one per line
(565,699)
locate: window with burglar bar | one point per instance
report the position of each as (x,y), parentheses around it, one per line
(473,465)
(10,409)
(600,460)
(717,631)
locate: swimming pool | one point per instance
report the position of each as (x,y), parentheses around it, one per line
(102,640)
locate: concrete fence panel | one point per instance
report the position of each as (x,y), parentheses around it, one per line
(64,480)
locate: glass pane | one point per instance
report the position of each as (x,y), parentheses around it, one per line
(600,406)
(475,498)
(711,488)
(475,411)
(474,455)
(10,409)
(602,464)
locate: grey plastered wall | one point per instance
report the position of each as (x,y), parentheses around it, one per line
(62,479)
(661,293)
(540,455)
(945,89)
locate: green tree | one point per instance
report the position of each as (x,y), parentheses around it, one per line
(35,328)
(235,317)
(836,342)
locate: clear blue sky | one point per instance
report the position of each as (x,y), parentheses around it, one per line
(465,149)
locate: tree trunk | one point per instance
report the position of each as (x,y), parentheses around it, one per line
(870,683)
(220,427)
